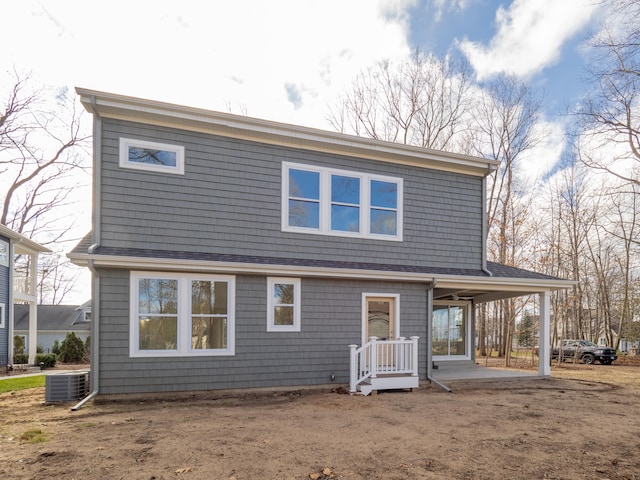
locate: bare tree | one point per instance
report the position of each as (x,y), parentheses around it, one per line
(610,114)
(506,114)
(41,150)
(420,101)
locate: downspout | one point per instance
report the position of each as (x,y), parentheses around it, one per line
(431,286)
(95,290)
(484,225)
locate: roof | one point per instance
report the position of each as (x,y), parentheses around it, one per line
(52,318)
(498,281)
(21,242)
(109,105)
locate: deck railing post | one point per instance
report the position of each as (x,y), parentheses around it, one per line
(414,356)
(353,367)
(373,357)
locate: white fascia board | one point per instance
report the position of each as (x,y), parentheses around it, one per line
(21,243)
(504,284)
(166,264)
(442,281)
(266,131)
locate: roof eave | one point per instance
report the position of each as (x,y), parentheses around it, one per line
(266,131)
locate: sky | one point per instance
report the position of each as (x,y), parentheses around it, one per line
(289,60)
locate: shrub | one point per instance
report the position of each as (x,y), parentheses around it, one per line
(71,349)
(39,348)
(48,360)
(20,358)
(18,345)
(56,347)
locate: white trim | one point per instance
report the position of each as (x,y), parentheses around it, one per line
(503,284)
(183,347)
(2,316)
(325,202)
(467,328)
(126,143)
(271,326)
(396,312)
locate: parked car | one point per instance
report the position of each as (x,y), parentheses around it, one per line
(584,351)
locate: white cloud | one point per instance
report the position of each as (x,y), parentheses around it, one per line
(440,7)
(530,35)
(282,59)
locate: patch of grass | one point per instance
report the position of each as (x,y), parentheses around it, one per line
(22,383)
(34,435)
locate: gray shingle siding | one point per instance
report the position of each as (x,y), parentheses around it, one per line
(331,319)
(4,298)
(229,200)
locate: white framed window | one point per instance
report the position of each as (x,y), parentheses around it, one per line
(283,304)
(181,315)
(2,314)
(151,156)
(4,253)
(451,339)
(338,202)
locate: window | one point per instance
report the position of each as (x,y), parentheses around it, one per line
(179,315)
(2,319)
(151,156)
(336,202)
(450,327)
(283,305)
(4,253)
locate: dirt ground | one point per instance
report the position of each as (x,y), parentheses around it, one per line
(583,423)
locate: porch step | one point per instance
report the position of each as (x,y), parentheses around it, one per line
(388,382)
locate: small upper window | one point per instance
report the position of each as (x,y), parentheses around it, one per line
(2,310)
(152,156)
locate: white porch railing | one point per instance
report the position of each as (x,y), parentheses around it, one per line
(382,357)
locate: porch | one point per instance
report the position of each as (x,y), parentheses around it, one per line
(384,365)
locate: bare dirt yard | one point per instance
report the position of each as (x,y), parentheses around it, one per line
(583,423)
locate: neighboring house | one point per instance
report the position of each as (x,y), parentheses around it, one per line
(54,323)
(233,252)
(17,285)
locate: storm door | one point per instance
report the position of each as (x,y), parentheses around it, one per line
(380,320)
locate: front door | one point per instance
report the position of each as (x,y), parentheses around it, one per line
(380,322)
(380,318)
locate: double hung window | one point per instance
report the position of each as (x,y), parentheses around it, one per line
(338,202)
(177,315)
(283,313)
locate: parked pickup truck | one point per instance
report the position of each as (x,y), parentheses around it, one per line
(584,351)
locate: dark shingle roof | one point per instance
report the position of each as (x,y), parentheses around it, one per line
(497,270)
(52,317)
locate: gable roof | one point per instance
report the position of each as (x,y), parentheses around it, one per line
(109,105)
(52,318)
(22,243)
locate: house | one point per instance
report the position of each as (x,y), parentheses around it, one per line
(18,283)
(54,323)
(233,252)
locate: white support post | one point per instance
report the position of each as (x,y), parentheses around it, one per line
(414,356)
(373,357)
(544,356)
(353,368)
(32,283)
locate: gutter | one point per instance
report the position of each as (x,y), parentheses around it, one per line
(95,291)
